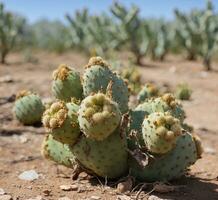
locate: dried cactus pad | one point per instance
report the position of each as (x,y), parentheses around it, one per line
(58,152)
(66,84)
(99,78)
(61,121)
(28,108)
(98,116)
(160,132)
(106,158)
(170,166)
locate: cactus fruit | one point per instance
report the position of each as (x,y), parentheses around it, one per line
(66,84)
(98,116)
(160,132)
(106,158)
(28,107)
(183,92)
(57,151)
(148,91)
(99,78)
(61,121)
(170,166)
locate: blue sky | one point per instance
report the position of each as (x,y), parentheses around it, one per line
(56,9)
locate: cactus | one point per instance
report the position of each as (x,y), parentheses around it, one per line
(183,92)
(99,78)
(66,83)
(135,30)
(170,166)
(106,158)
(61,121)
(160,132)
(165,103)
(198,33)
(11,28)
(58,152)
(98,116)
(148,91)
(28,108)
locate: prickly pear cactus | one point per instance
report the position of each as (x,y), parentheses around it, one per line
(106,158)
(183,92)
(61,121)
(98,116)
(57,151)
(66,84)
(28,108)
(170,166)
(148,91)
(165,103)
(160,132)
(99,78)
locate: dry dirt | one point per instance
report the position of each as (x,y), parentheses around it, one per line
(20,146)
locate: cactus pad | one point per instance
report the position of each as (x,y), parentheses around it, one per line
(98,116)
(28,108)
(66,84)
(160,132)
(61,121)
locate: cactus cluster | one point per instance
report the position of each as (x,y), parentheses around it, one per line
(93,127)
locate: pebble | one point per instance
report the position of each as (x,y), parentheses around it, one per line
(2,191)
(29,175)
(68,187)
(5,197)
(36,198)
(94,198)
(64,198)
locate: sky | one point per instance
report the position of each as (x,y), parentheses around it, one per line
(56,9)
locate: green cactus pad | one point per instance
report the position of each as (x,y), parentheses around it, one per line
(98,116)
(66,84)
(165,103)
(148,91)
(28,108)
(160,132)
(57,151)
(106,158)
(169,166)
(99,78)
(62,122)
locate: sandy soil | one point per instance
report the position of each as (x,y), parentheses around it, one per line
(20,146)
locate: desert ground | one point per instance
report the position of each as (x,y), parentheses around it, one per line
(20,145)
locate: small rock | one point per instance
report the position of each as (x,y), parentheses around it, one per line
(2,191)
(29,175)
(125,186)
(6,197)
(64,198)
(47,192)
(68,187)
(123,197)
(209,150)
(152,197)
(23,139)
(6,79)
(94,198)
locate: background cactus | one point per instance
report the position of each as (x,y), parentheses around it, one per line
(183,92)
(98,116)
(148,91)
(61,121)
(66,84)
(11,28)
(28,108)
